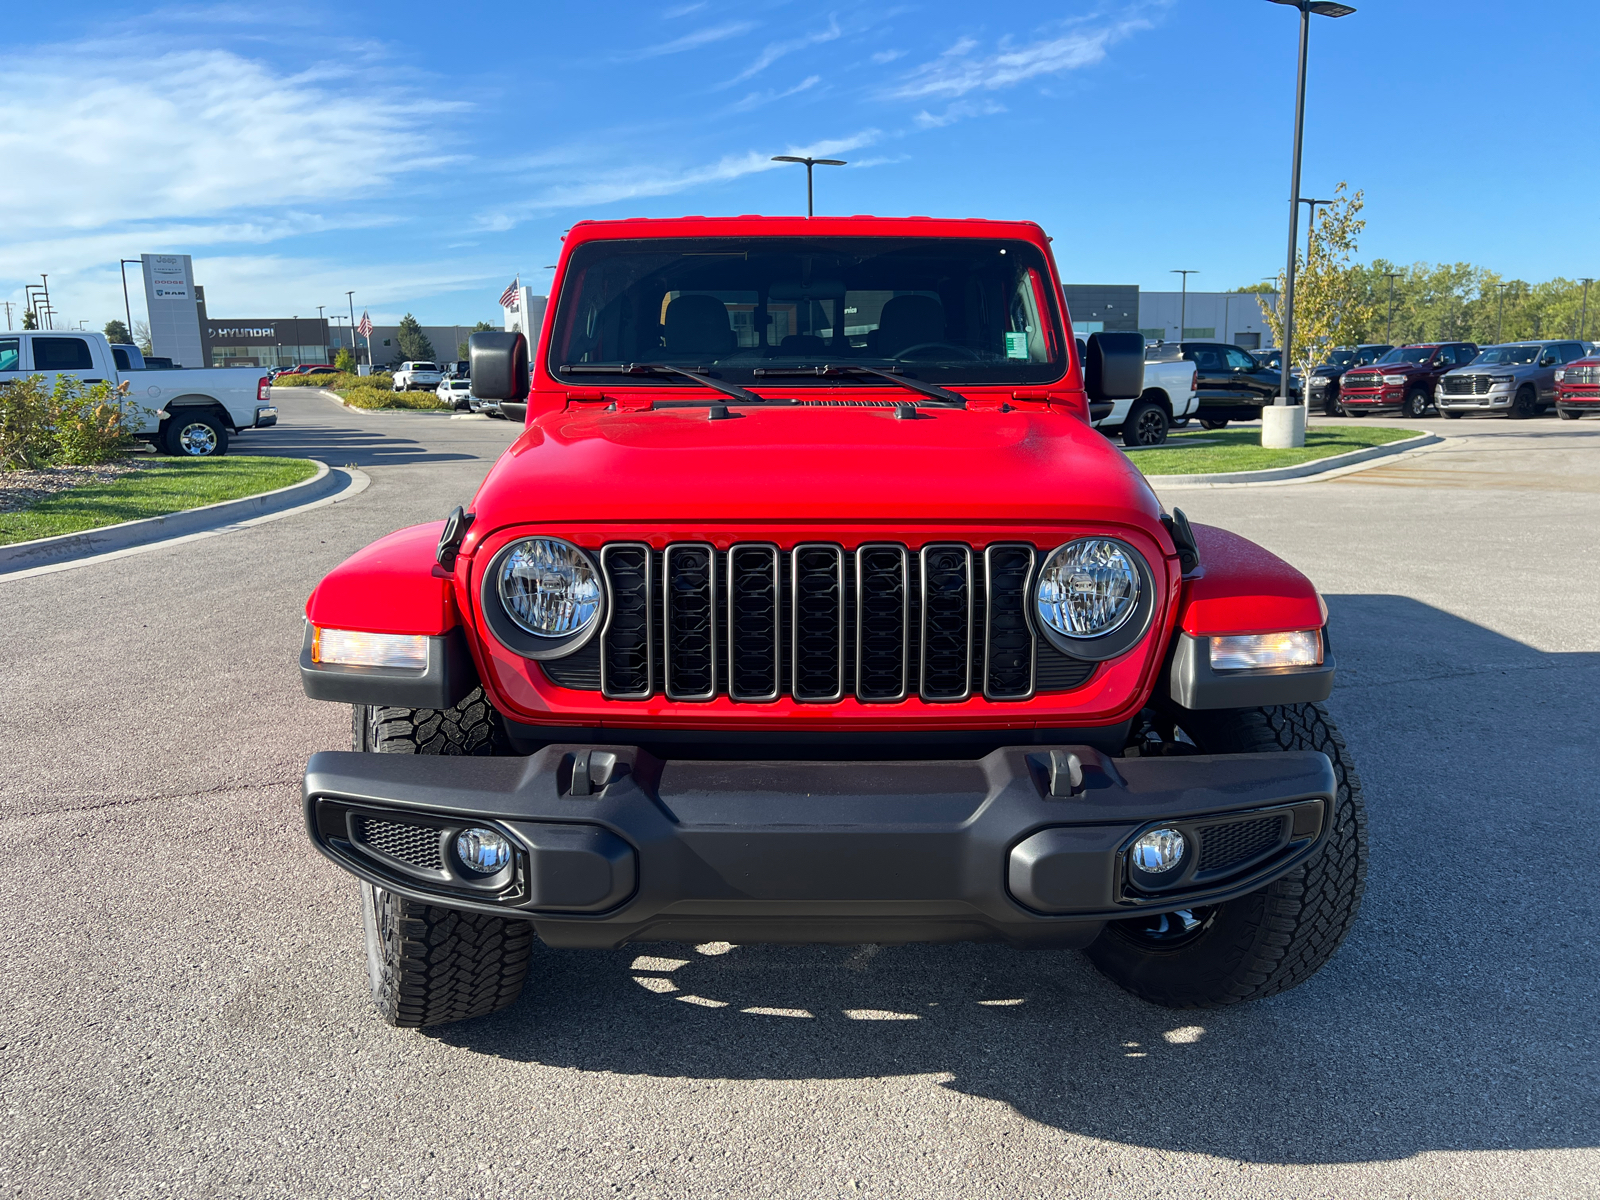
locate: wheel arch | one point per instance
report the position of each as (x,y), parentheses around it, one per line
(189,404)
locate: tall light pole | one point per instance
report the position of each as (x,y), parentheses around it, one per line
(1388,328)
(1183,301)
(1583,321)
(1311,221)
(809,162)
(1500,315)
(127,310)
(1322,8)
(351,297)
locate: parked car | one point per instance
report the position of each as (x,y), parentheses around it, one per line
(457,393)
(1168,398)
(1518,379)
(1403,380)
(1324,387)
(776,640)
(1578,387)
(414,376)
(1233,384)
(188,412)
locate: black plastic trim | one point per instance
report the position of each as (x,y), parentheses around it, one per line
(447,680)
(1192,684)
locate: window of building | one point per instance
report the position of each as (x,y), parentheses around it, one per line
(1200,331)
(1157,334)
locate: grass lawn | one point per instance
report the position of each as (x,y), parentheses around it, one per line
(159,487)
(1240,449)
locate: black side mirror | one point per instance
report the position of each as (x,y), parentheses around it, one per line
(1113,367)
(499,366)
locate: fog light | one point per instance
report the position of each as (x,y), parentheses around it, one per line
(352,648)
(483,850)
(1263,651)
(1158,852)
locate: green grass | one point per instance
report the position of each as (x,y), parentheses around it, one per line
(162,486)
(1240,449)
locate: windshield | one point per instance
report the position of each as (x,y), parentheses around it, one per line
(1367,357)
(1509,355)
(1341,358)
(950,310)
(1408,354)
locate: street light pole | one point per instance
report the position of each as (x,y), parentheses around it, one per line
(1183,302)
(809,163)
(351,297)
(1388,328)
(1322,8)
(1583,321)
(127,310)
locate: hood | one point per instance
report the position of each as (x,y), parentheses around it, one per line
(813,464)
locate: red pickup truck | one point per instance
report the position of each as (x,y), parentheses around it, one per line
(1403,380)
(809,607)
(1578,388)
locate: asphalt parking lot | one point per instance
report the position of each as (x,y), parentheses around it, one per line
(185,1010)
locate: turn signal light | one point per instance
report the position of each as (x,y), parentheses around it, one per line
(1265,651)
(350,648)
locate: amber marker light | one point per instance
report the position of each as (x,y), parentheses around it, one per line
(1267,651)
(351,648)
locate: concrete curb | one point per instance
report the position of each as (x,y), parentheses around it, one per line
(1338,464)
(109,539)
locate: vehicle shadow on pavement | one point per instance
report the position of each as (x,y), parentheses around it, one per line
(347,446)
(1459,1015)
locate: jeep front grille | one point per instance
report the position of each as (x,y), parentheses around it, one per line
(818,623)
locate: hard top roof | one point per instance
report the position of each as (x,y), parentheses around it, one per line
(755,225)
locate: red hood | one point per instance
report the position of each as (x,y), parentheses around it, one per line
(813,464)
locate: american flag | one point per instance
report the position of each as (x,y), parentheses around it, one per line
(508,298)
(365,328)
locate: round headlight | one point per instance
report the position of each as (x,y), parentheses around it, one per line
(549,587)
(1088,588)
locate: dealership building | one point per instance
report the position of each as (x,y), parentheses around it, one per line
(1234,317)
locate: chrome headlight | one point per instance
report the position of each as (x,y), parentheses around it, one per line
(1094,597)
(1394,380)
(543,597)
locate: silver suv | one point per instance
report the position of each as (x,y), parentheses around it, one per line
(1518,378)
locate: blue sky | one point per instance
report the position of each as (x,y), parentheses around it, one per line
(422,154)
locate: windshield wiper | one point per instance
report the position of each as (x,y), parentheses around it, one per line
(932,391)
(699,376)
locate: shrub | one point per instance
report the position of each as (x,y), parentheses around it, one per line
(93,424)
(27,434)
(382,397)
(336,382)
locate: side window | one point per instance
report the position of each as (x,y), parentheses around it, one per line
(120,356)
(1571,352)
(10,354)
(61,354)
(1238,360)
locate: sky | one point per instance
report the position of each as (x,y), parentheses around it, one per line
(423,155)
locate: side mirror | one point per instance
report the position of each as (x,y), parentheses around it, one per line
(499,366)
(1113,367)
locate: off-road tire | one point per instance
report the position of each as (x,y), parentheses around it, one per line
(1273,939)
(1146,424)
(429,965)
(1415,404)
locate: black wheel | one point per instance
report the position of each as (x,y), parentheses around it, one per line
(1270,940)
(1146,424)
(1567,414)
(1451,416)
(1205,424)
(1415,404)
(196,435)
(1527,402)
(428,965)
(1330,404)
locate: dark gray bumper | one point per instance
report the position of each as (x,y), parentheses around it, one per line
(613,845)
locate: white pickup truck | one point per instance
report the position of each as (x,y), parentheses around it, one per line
(1170,395)
(410,376)
(190,412)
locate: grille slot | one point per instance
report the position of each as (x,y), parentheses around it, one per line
(689,579)
(1224,847)
(1008,635)
(883,623)
(415,845)
(819,592)
(946,622)
(626,668)
(754,647)
(1466,385)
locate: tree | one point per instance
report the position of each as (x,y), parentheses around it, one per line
(30,319)
(141,337)
(1332,297)
(1264,287)
(414,345)
(345,361)
(116,331)
(463,349)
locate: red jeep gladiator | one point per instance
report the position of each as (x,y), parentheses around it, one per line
(809,607)
(1578,388)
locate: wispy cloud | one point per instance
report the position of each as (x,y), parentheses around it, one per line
(683,10)
(757,99)
(959,110)
(776,50)
(691,41)
(647,181)
(962,69)
(887,56)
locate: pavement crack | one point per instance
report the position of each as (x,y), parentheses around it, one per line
(130,801)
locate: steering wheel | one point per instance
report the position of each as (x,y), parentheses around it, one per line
(961,351)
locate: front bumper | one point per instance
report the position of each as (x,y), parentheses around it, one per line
(614,845)
(1497,397)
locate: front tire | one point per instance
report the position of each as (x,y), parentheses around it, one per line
(429,965)
(1270,940)
(1526,404)
(1568,414)
(1222,424)
(1415,404)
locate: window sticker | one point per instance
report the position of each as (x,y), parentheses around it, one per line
(1017,345)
